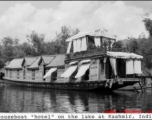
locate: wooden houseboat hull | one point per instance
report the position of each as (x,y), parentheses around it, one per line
(84,86)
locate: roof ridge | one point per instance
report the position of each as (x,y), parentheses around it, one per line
(54,54)
(31,57)
(17,58)
(47,55)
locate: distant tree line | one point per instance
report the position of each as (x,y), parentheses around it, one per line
(10,48)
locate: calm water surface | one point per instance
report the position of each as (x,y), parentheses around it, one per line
(61,101)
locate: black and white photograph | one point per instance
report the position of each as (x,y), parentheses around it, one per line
(75,57)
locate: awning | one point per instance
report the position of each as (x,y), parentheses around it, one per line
(48,74)
(129,67)
(85,61)
(82,70)
(69,47)
(137,67)
(74,62)
(69,71)
(97,41)
(113,65)
(136,56)
(84,44)
(79,44)
(124,55)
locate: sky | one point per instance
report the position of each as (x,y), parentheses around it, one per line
(120,18)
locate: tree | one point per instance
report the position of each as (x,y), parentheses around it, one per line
(2,59)
(10,49)
(28,49)
(37,41)
(16,42)
(133,46)
(7,41)
(146,45)
(118,44)
(61,37)
(7,49)
(148,25)
(145,48)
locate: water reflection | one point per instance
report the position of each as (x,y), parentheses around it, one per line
(61,101)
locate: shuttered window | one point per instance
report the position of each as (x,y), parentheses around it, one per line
(33,74)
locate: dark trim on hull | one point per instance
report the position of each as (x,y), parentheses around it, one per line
(85,86)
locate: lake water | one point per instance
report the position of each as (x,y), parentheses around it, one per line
(62,101)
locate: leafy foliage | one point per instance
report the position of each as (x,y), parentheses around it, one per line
(36,45)
(148,25)
(37,42)
(118,44)
(133,45)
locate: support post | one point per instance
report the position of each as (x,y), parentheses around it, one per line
(136,89)
(141,87)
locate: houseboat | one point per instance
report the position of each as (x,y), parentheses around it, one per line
(91,63)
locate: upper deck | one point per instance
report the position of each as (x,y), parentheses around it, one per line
(93,53)
(90,45)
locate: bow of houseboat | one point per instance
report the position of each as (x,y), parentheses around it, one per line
(91,63)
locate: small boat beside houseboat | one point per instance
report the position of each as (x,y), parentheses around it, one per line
(91,63)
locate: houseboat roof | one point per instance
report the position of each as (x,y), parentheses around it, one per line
(99,33)
(35,64)
(48,59)
(15,64)
(57,61)
(30,60)
(124,55)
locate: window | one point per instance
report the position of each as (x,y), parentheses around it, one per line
(6,73)
(87,72)
(33,74)
(18,74)
(91,43)
(10,73)
(54,76)
(24,73)
(102,66)
(86,75)
(109,72)
(74,74)
(121,68)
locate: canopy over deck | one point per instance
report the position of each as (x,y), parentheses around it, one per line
(81,40)
(96,33)
(124,55)
(132,66)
